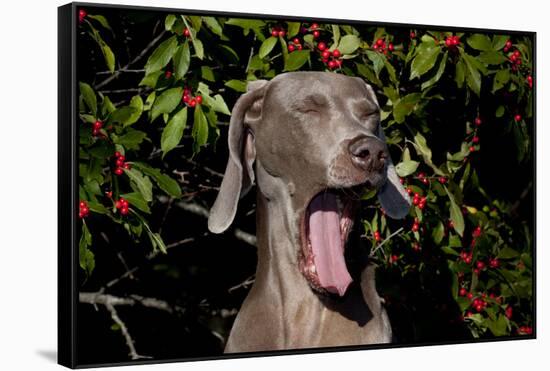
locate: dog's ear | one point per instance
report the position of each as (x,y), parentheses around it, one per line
(239,173)
(392,195)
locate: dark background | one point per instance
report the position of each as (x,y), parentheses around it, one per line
(198,275)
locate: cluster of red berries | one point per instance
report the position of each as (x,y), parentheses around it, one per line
(120,163)
(189,100)
(380,46)
(475,138)
(330,58)
(84,210)
(530,81)
(296,44)
(377,236)
(515,59)
(81,15)
(122,205)
(419,201)
(452,42)
(96,128)
(278,31)
(314,29)
(525,330)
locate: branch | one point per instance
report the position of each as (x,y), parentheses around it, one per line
(129,341)
(384,242)
(95,298)
(202,211)
(135,60)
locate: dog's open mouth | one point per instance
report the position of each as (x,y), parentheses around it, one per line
(325,227)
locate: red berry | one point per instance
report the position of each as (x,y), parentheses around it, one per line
(468,259)
(338,63)
(415,227)
(442,180)
(274,33)
(479,307)
(517,118)
(118,171)
(316,34)
(470,296)
(117,154)
(379,42)
(336,53)
(472,149)
(412,34)
(291,48)
(480,265)
(193,102)
(508,44)
(475,140)
(448,42)
(325,54)
(469,314)
(509,312)
(300,47)
(127,166)
(314,26)
(95,132)
(124,210)
(82,204)
(124,202)
(477,121)
(455,40)
(331,64)
(198,98)
(81,15)
(109,194)
(168,74)
(494,263)
(98,125)
(282,33)
(321,46)
(118,204)
(186,98)
(186,32)
(462,291)
(303,30)
(477,232)
(121,158)
(476,271)
(296,40)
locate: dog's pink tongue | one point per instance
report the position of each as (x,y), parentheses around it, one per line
(324,234)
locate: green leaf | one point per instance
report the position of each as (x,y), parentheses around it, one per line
(473,77)
(293,28)
(86,256)
(492,57)
(296,60)
(501,78)
(199,49)
(151,79)
(377,61)
(426,56)
(438,233)
(182,59)
(500,111)
(422,149)
(498,327)
(405,106)
(237,85)
(437,76)
(102,20)
(172,133)
(499,41)
(162,55)
(131,139)
(507,253)
(218,104)
(459,75)
(348,44)
(169,22)
(248,24)
(455,214)
(136,199)
(123,115)
(141,182)
(207,74)
(166,102)
(267,46)
(406,168)
(89,97)
(213,25)
(163,181)
(200,129)
(480,42)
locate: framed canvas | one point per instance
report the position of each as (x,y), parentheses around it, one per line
(237,185)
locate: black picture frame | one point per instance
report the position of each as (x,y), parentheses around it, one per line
(68,235)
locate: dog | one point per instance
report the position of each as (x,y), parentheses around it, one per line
(311,141)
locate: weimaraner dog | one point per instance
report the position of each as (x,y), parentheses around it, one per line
(310,141)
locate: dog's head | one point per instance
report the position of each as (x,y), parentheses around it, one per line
(318,134)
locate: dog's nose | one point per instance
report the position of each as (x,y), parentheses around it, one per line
(368,153)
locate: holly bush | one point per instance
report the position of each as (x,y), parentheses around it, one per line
(456,107)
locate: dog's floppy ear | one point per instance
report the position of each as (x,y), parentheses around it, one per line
(392,195)
(239,173)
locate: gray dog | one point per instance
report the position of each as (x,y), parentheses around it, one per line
(309,140)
